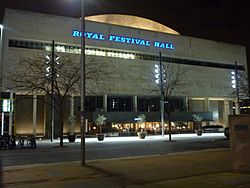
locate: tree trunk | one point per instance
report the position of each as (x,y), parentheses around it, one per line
(169,119)
(61,123)
(169,127)
(61,133)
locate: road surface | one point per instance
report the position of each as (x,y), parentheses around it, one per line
(111,147)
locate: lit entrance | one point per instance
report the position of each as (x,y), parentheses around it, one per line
(6,115)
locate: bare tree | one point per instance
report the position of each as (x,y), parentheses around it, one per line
(239,88)
(31,77)
(174,84)
(243,85)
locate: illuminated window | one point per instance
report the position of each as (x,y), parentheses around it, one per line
(89,52)
(6,105)
(100,53)
(60,48)
(48,47)
(115,54)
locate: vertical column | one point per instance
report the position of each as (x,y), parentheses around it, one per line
(71,106)
(226,112)
(206,105)
(135,104)
(187,104)
(11,113)
(34,114)
(206,108)
(237,107)
(231,110)
(105,102)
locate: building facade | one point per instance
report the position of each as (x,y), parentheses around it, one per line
(130,51)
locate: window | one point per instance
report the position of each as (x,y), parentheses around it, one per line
(116,54)
(120,104)
(148,104)
(99,102)
(93,103)
(176,104)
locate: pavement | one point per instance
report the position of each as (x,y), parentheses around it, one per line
(204,168)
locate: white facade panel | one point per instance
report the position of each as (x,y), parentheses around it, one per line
(134,75)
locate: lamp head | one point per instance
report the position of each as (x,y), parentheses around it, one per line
(1,26)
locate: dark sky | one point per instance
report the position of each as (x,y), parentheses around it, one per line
(222,20)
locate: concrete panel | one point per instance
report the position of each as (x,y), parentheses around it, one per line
(239,126)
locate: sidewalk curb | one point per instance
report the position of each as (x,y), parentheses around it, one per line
(8,168)
(158,155)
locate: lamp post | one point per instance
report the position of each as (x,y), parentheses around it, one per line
(1,63)
(52,74)
(82,87)
(1,74)
(159,80)
(235,85)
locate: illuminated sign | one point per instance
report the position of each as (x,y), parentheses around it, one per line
(123,39)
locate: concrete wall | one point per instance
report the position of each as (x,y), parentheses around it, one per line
(128,77)
(22,24)
(239,131)
(24,114)
(131,76)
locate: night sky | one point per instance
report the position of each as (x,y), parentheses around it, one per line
(221,20)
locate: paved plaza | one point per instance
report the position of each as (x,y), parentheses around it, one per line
(207,168)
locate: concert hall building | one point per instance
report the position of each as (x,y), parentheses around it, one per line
(130,47)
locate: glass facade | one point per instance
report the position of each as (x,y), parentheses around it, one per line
(94,103)
(14,43)
(147,104)
(152,104)
(175,104)
(126,104)
(120,104)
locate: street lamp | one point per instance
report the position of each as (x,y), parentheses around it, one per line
(235,85)
(82,87)
(52,73)
(1,73)
(82,84)
(233,79)
(1,63)
(159,80)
